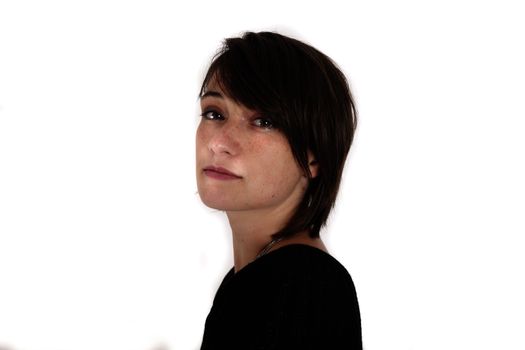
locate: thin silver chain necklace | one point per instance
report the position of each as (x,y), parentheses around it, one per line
(269,246)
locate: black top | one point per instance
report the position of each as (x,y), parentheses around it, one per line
(295,297)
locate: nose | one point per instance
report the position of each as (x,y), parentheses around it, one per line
(225,140)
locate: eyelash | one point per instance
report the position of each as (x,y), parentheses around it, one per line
(205,115)
(260,122)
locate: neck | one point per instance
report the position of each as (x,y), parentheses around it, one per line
(250,235)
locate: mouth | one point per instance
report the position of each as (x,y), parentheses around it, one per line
(220,173)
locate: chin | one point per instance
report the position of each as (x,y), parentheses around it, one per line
(224,202)
(213,200)
(210,203)
(218,205)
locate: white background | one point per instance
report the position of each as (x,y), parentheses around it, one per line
(104,243)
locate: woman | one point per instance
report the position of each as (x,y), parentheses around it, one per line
(277,123)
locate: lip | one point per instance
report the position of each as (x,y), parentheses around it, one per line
(220,173)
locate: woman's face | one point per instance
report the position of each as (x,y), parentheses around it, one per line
(243,163)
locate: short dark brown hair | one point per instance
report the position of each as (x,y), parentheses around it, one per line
(308,99)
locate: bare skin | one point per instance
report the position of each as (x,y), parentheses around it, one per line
(245,167)
(245,251)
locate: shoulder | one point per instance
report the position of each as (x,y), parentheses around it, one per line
(299,262)
(294,297)
(298,273)
(300,268)
(311,297)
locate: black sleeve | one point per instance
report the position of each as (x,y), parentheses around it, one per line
(312,313)
(309,304)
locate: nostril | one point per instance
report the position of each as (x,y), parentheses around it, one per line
(223,143)
(219,147)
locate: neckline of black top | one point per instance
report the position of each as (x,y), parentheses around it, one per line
(279,252)
(294,256)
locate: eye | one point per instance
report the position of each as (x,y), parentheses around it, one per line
(212,115)
(264,123)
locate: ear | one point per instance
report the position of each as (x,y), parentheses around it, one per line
(313,164)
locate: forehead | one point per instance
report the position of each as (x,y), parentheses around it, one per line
(217,89)
(214,89)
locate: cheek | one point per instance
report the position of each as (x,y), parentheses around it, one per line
(201,137)
(277,169)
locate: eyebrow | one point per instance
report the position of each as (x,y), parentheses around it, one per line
(211,94)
